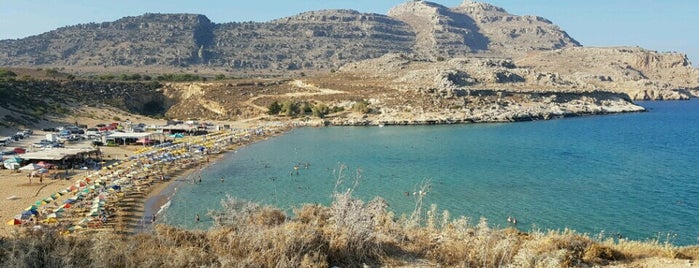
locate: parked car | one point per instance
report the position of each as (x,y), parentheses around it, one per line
(41,144)
(77,131)
(50,129)
(55,145)
(6,140)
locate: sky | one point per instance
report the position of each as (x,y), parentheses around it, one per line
(671,25)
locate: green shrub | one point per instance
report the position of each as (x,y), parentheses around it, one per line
(7,73)
(337,109)
(320,110)
(289,108)
(361,107)
(274,108)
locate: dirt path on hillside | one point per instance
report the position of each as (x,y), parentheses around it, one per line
(313,91)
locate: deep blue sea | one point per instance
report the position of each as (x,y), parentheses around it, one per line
(635,175)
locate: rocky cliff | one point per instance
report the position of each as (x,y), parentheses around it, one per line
(640,73)
(314,40)
(474,27)
(150,39)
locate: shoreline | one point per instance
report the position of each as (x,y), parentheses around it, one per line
(144,189)
(160,195)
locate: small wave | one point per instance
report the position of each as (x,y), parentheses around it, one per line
(164,207)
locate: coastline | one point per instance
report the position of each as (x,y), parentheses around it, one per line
(158,197)
(134,216)
(133,206)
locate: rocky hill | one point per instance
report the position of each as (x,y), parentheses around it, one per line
(420,63)
(479,28)
(640,73)
(150,39)
(315,40)
(320,41)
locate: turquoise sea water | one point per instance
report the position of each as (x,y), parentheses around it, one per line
(636,175)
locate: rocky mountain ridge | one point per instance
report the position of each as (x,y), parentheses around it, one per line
(314,40)
(422,63)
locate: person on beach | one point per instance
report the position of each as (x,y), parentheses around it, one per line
(221,179)
(199,178)
(196,218)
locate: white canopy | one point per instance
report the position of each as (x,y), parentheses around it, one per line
(30,166)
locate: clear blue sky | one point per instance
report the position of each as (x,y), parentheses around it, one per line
(671,25)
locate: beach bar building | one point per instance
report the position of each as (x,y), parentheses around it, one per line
(126,138)
(62,157)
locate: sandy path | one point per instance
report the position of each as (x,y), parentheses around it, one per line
(314,91)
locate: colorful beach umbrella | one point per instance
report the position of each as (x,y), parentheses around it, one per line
(50,220)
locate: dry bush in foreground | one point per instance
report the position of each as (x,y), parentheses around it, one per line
(348,233)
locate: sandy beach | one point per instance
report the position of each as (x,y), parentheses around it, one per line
(16,193)
(134,207)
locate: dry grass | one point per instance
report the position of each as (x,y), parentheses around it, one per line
(347,233)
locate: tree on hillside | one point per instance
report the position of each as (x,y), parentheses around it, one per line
(274,108)
(361,107)
(320,110)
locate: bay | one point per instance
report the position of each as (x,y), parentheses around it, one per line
(633,175)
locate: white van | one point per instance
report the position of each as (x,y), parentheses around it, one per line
(92,133)
(4,141)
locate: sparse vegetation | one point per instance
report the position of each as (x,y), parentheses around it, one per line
(361,107)
(297,108)
(7,74)
(320,110)
(180,78)
(274,108)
